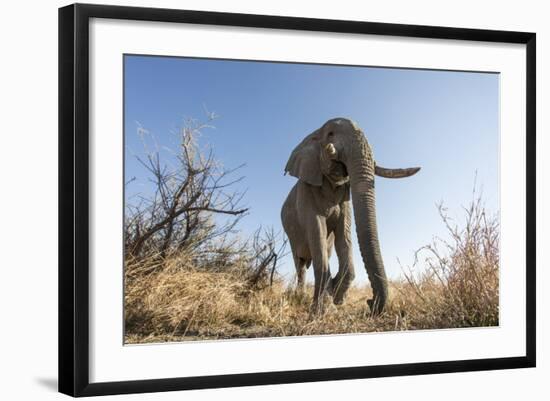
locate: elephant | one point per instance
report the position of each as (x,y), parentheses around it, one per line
(332,163)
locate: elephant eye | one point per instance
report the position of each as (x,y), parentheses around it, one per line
(331,134)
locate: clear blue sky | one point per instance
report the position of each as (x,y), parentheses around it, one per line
(446,122)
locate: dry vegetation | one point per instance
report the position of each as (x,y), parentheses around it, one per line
(194,279)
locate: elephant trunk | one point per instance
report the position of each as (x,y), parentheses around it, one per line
(361,170)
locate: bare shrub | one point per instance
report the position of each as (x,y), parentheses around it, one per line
(188,192)
(185,268)
(265,249)
(459,283)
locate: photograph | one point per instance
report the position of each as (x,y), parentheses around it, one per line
(273,199)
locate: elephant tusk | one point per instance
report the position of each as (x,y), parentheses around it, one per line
(395,172)
(331,150)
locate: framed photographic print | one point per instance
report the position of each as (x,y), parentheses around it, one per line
(251,199)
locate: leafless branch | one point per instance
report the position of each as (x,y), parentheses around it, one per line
(189,190)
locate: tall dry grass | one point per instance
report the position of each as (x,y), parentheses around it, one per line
(453,283)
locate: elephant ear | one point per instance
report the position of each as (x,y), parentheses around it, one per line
(304,161)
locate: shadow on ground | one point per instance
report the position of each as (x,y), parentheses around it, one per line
(47,382)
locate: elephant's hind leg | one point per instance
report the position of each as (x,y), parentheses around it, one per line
(300,265)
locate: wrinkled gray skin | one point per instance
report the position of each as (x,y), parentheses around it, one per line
(331,163)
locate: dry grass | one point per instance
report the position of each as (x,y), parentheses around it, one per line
(453,283)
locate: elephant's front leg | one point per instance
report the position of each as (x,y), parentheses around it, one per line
(343,245)
(317,239)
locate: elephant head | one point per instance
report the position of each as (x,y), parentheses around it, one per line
(340,152)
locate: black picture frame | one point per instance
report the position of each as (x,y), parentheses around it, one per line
(74,201)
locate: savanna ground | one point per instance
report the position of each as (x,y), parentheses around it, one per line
(189,277)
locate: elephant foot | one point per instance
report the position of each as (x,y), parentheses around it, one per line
(374,306)
(319,307)
(330,288)
(316,310)
(370,303)
(339,293)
